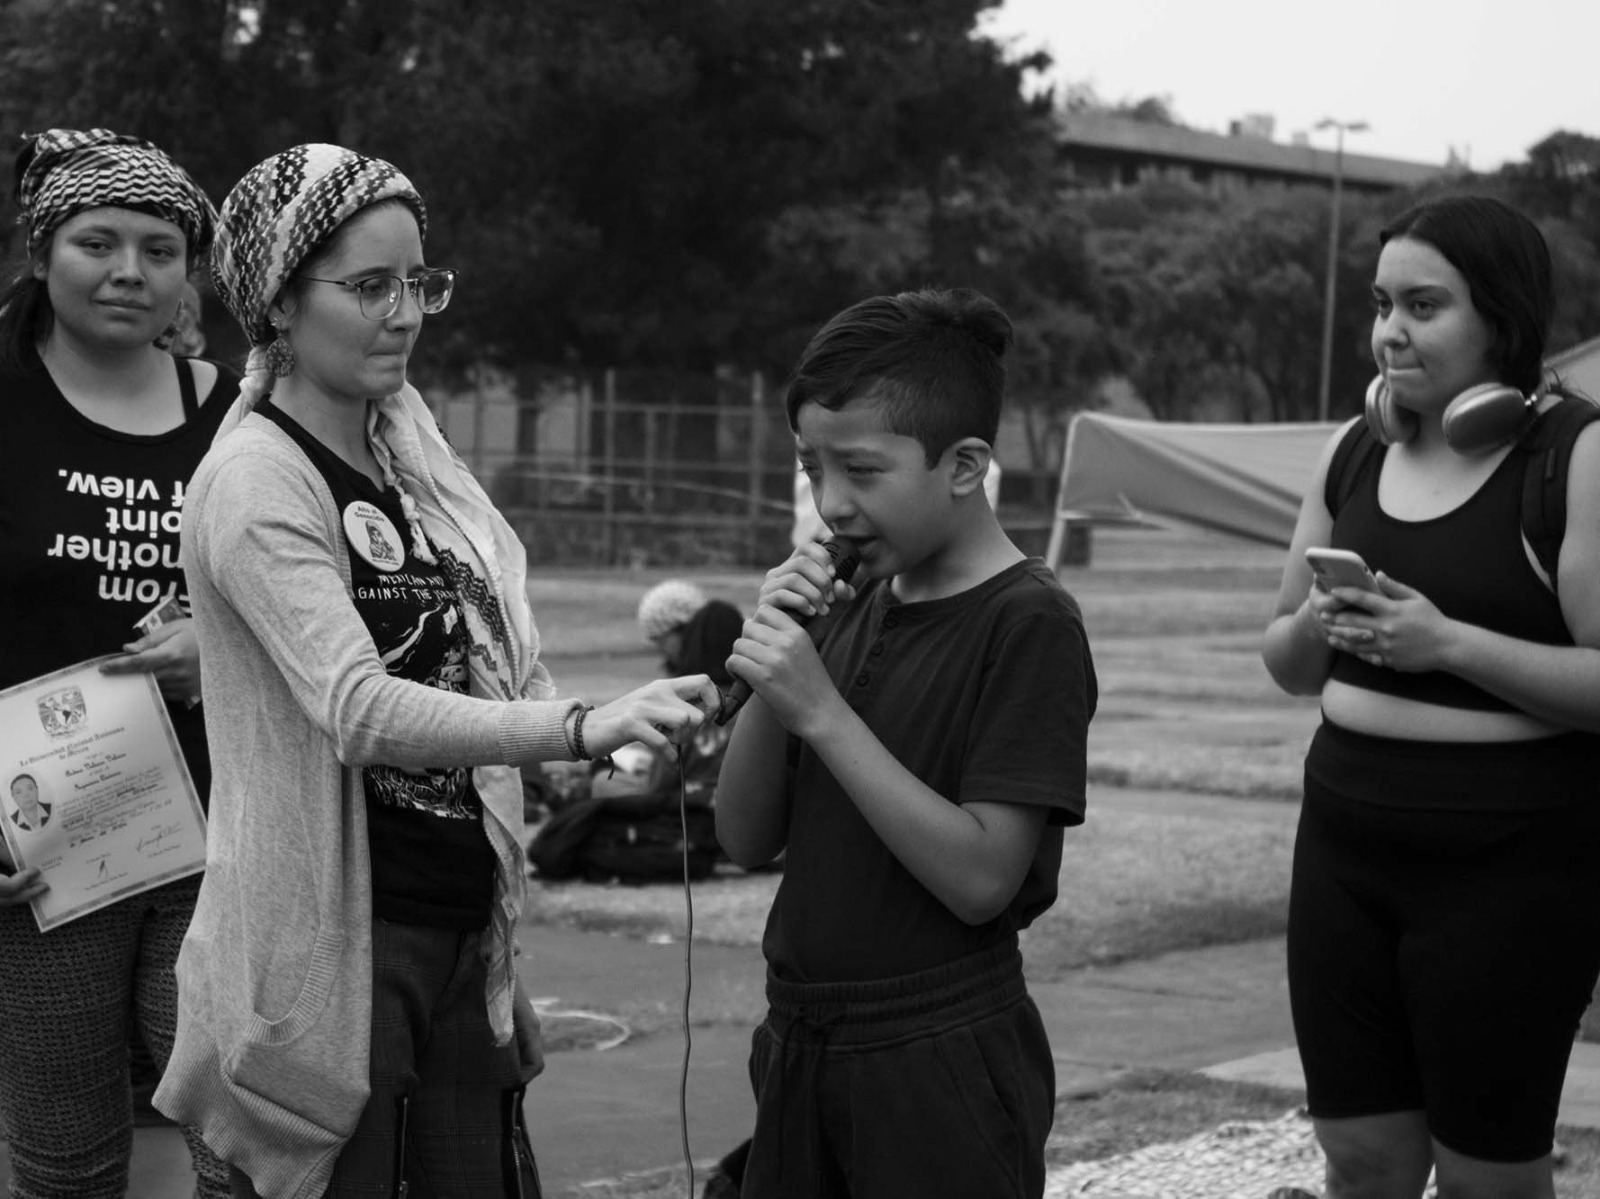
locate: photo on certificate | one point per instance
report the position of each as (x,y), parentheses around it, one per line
(30,806)
(96,792)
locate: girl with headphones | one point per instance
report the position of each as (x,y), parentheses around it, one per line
(1444,925)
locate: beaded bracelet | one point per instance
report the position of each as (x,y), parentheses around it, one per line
(566,728)
(579,748)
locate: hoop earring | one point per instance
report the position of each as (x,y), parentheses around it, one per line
(280,356)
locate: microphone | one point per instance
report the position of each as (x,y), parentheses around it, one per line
(846,557)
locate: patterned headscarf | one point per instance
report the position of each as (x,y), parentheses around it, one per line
(62,172)
(283,209)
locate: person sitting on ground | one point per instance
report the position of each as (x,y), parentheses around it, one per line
(695,635)
(663,611)
(627,824)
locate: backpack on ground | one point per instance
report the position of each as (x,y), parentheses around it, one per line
(647,849)
(636,839)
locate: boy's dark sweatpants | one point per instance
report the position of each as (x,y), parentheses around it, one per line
(938,1085)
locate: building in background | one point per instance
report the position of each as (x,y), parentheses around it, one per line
(1098,150)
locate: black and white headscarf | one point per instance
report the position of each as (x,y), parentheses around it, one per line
(62,172)
(282,210)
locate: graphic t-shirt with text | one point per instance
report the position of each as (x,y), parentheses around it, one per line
(89,521)
(432,863)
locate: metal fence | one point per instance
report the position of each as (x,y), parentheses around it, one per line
(632,468)
(655,468)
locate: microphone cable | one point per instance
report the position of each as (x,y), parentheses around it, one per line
(688,972)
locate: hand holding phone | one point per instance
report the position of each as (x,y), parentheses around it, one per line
(1340,568)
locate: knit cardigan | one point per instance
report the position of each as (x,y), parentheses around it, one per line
(275,975)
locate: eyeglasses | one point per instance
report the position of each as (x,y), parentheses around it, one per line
(379,295)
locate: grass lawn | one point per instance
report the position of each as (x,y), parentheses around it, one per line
(1187,713)
(1147,873)
(1174,621)
(1175,624)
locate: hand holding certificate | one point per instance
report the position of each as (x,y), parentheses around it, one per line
(96,794)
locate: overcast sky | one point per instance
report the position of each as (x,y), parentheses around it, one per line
(1489,79)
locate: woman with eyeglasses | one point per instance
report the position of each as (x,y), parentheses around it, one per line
(350,1019)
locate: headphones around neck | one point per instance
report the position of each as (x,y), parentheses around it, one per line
(1482,418)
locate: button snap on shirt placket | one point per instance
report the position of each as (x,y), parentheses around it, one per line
(890,620)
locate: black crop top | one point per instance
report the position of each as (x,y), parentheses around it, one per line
(1470,562)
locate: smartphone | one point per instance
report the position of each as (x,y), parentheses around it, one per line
(165,612)
(1340,568)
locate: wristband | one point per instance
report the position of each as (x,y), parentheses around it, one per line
(566,728)
(578,747)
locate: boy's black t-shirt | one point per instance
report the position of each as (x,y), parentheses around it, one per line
(89,521)
(432,863)
(984,696)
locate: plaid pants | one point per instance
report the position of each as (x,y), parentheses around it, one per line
(444,1117)
(65,996)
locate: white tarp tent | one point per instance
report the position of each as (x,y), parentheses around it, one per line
(1236,478)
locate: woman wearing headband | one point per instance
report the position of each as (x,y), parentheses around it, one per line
(1444,912)
(90,392)
(350,1020)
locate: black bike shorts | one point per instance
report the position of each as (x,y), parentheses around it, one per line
(1440,957)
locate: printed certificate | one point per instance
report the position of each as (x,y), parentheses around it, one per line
(94,790)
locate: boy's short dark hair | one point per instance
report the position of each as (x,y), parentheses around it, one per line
(932,360)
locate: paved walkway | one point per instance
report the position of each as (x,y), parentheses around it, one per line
(598,1115)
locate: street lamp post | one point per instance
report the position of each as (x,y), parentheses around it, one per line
(1341,127)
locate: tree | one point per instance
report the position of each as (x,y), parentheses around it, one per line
(1150,110)
(1217,302)
(611,177)
(769,109)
